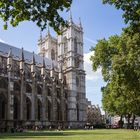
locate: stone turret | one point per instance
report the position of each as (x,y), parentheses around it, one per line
(9,59)
(33,67)
(22,61)
(52,71)
(43,69)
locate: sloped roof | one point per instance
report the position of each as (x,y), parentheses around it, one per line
(16,52)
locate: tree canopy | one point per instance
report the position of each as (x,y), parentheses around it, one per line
(39,11)
(119,59)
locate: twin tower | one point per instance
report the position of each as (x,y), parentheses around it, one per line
(66,51)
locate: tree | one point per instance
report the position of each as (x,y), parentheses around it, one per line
(119,59)
(131,9)
(39,11)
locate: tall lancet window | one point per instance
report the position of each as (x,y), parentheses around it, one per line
(52,54)
(65,45)
(2,106)
(75,45)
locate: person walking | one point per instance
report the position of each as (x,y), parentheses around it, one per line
(136,123)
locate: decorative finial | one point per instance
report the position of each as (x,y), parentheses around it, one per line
(48,30)
(70,16)
(44,65)
(33,59)
(80,24)
(40,34)
(10,53)
(22,54)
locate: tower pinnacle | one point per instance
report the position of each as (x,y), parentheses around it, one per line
(80,24)
(70,16)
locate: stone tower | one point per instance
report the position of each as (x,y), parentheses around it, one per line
(48,46)
(70,56)
(67,52)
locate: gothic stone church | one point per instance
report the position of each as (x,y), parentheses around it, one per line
(47,89)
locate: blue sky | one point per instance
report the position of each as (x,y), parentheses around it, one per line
(98,21)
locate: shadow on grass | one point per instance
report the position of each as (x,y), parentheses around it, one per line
(42,134)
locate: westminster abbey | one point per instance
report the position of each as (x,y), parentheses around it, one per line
(44,89)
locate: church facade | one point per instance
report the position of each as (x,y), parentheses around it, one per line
(47,89)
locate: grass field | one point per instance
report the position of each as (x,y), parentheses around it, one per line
(99,134)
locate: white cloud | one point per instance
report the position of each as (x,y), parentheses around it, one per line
(90,74)
(1,40)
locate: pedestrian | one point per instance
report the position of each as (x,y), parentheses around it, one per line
(136,123)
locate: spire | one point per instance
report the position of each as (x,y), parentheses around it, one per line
(70,16)
(80,24)
(43,71)
(22,55)
(44,66)
(9,59)
(40,34)
(22,61)
(33,59)
(48,33)
(10,53)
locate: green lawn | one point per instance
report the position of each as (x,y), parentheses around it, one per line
(98,134)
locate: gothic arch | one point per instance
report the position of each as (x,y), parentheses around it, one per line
(58,93)
(58,112)
(16,108)
(65,111)
(39,89)
(48,80)
(77,107)
(65,45)
(3,103)
(28,108)
(75,45)
(39,109)
(49,109)
(16,86)
(3,83)
(52,54)
(28,88)
(77,81)
(49,91)
(3,65)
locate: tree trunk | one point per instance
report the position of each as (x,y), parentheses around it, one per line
(121,122)
(133,120)
(128,119)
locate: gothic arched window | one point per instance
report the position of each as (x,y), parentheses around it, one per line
(65,45)
(77,106)
(16,86)
(2,107)
(16,108)
(77,81)
(52,54)
(3,83)
(75,45)
(49,110)
(28,88)
(39,89)
(28,108)
(39,105)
